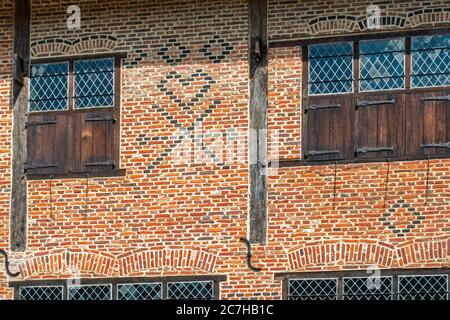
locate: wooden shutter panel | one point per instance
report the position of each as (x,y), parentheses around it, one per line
(328,125)
(93,141)
(46,144)
(380,126)
(428,123)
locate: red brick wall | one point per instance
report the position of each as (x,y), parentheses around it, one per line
(178,218)
(6,45)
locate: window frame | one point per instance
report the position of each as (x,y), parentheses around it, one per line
(407,91)
(71,109)
(285,277)
(115,282)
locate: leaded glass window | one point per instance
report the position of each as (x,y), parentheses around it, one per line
(139,291)
(331,68)
(426,287)
(430,61)
(41,293)
(382,64)
(94,83)
(313,289)
(89,292)
(49,87)
(367,288)
(196,290)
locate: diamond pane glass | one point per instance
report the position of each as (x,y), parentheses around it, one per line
(139,291)
(313,289)
(94,83)
(368,288)
(49,87)
(382,64)
(89,292)
(430,61)
(190,290)
(432,287)
(331,68)
(41,293)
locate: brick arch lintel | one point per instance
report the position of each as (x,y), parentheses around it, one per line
(89,44)
(369,252)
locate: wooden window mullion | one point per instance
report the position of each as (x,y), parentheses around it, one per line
(408,63)
(356,66)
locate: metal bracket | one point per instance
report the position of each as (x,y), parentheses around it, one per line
(8,272)
(364,104)
(100,164)
(106,118)
(40,166)
(441,98)
(436,145)
(249,255)
(39,123)
(365,150)
(258,50)
(316,107)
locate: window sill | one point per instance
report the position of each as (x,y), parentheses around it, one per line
(301,163)
(77,175)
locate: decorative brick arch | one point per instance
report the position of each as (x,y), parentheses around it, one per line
(90,44)
(424,251)
(332,24)
(427,16)
(386,22)
(345,251)
(66,262)
(173,259)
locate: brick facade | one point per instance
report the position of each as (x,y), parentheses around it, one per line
(166,217)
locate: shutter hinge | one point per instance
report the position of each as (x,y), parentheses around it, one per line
(436,145)
(110,163)
(106,118)
(365,150)
(364,104)
(39,166)
(316,107)
(441,98)
(315,153)
(39,123)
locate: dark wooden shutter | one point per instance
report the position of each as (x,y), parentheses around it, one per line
(379,125)
(329,126)
(428,123)
(47,144)
(94,147)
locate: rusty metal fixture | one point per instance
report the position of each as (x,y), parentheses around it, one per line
(8,272)
(249,255)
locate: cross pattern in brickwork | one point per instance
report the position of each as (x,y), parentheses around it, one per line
(90,292)
(430,287)
(388,218)
(188,102)
(202,290)
(313,289)
(173,52)
(216,49)
(140,291)
(41,293)
(368,288)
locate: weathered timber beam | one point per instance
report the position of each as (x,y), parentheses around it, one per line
(22,13)
(258,119)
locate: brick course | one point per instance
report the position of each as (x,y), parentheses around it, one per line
(177,218)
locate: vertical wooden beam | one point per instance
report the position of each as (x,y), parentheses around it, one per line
(22,13)
(258,75)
